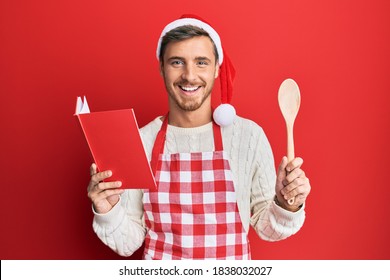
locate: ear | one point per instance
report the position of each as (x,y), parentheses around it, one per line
(216,70)
(161,64)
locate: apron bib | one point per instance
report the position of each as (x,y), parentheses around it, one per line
(193,213)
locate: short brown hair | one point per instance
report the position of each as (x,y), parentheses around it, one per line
(182,33)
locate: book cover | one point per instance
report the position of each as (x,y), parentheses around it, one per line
(115,144)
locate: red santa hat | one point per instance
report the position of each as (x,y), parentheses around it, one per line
(225,113)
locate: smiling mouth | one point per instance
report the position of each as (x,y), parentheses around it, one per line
(189,90)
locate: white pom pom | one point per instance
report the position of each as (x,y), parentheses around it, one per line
(224,114)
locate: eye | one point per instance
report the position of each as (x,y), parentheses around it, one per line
(202,63)
(177,62)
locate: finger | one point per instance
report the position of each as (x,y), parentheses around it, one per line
(102,187)
(92,169)
(286,191)
(295,163)
(100,176)
(296,173)
(97,198)
(107,193)
(299,186)
(282,169)
(297,202)
(300,199)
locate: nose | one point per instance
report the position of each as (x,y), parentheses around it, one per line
(189,73)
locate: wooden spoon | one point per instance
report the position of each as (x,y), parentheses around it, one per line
(289,99)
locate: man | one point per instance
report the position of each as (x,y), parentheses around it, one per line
(213,181)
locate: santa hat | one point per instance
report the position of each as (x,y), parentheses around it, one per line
(225,113)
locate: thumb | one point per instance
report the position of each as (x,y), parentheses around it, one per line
(92,169)
(282,169)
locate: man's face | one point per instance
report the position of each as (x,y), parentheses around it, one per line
(189,69)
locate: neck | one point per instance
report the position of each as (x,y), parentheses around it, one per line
(187,119)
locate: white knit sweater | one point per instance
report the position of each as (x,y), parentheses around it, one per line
(251,160)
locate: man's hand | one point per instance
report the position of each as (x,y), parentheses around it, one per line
(291,182)
(104,195)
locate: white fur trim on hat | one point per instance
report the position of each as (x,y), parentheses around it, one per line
(198,23)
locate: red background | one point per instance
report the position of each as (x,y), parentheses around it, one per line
(337,51)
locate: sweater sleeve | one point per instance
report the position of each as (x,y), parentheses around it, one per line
(271,222)
(122,229)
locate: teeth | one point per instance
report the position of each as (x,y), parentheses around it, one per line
(189,88)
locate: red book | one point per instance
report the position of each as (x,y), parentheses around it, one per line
(115,143)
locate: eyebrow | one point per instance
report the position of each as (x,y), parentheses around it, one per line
(198,58)
(203,58)
(175,57)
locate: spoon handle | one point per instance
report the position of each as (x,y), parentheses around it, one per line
(290,151)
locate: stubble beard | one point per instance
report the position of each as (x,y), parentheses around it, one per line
(189,104)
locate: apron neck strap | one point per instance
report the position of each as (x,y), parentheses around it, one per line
(158,147)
